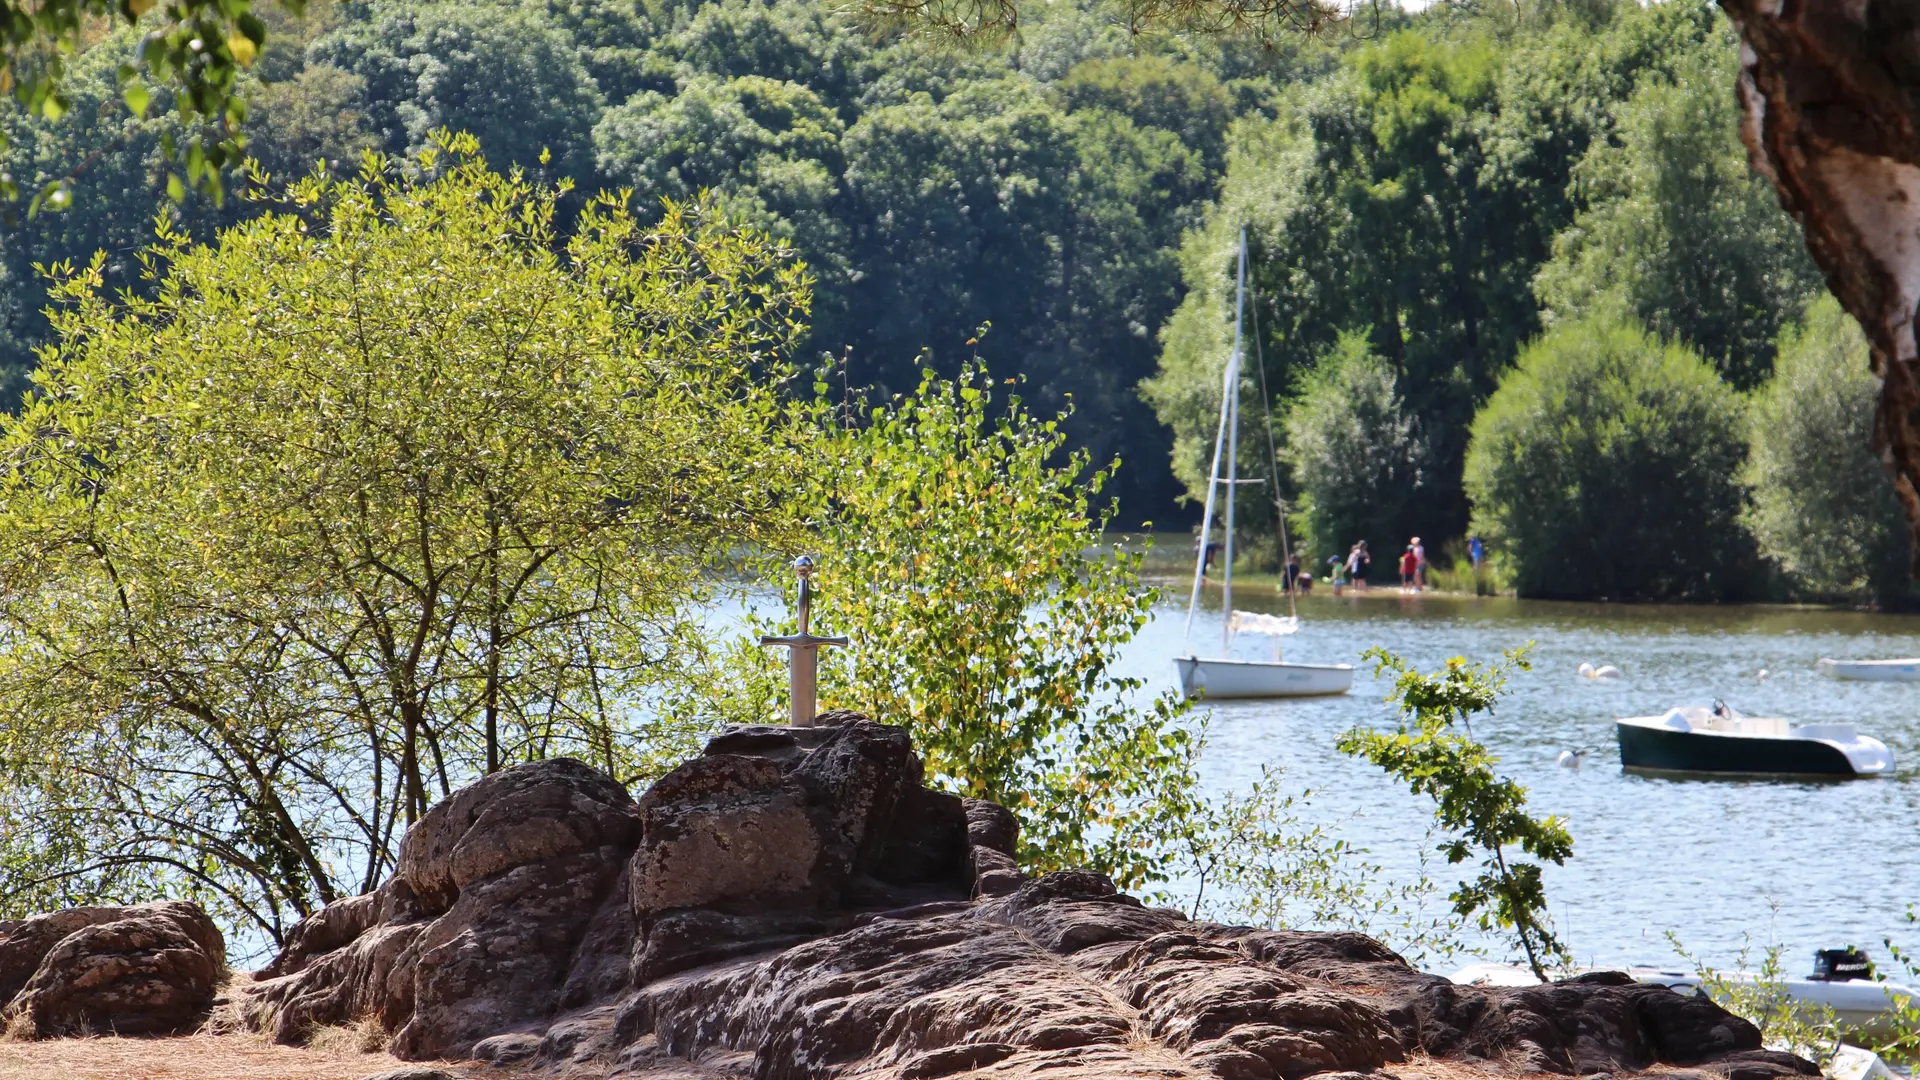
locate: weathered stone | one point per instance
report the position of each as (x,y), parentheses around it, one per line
(797,905)
(545,810)
(501,953)
(990,825)
(483,926)
(151,971)
(725,829)
(371,976)
(25,942)
(325,930)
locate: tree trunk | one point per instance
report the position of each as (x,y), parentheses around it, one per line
(1831,93)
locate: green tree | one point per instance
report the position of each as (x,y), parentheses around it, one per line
(789,40)
(1822,507)
(314,119)
(502,71)
(1677,231)
(384,491)
(109,205)
(770,151)
(1482,812)
(1156,92)
(1354,453)
(1606,465)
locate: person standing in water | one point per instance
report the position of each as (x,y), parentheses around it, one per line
(1419,565)
(1409,571)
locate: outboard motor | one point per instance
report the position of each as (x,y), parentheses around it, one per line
(1840,965)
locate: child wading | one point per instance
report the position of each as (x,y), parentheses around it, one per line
(1409,571)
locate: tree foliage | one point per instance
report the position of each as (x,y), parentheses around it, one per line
(1354,453)
(391,487)
(1822,507)
(1419,188)
(1483,813)
(1607,465)
(1677,231)
(929,190)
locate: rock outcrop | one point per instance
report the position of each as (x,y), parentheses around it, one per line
(150,969)
(482,924)
(1831,92)
(797,905)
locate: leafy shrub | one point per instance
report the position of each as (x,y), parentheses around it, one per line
(1823,506)
(1479,812)
(1606,466)
(1355,453)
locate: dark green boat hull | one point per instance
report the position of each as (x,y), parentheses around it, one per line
(1681,751)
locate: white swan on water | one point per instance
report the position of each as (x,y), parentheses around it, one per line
(1604,671)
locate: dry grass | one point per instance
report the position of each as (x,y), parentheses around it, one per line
(195,1057)
(363,1036)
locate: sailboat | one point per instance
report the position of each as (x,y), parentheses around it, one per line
(1223,677)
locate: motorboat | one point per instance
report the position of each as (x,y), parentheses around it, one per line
(1858,1004)
(1870,670)
(1225,676)
(1719,740)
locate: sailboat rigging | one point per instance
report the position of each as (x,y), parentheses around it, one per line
(1222,676)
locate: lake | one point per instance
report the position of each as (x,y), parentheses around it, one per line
(1719,863)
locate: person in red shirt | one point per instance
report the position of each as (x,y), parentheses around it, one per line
(1409,570)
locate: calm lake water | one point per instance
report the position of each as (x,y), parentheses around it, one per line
(1717,862)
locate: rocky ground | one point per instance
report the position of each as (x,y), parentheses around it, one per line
(796,905)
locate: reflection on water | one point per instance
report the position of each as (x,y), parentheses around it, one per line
(1706,859)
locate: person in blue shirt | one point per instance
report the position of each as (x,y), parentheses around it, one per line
(1475,551)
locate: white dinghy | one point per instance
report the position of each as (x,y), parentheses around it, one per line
(1863,1005)
(1870,670)
(1220,677)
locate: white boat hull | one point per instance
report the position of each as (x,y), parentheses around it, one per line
(1861,1006)
(1217,680)
(1870,670)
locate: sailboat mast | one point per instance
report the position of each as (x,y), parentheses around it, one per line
(1206,522)
(1233,444)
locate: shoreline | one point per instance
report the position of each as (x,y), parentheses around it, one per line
(1269,585)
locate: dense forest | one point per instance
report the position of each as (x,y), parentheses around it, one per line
(1432,200)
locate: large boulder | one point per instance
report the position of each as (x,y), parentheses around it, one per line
(796,904)
(143,970)
(778,835)
(480,928)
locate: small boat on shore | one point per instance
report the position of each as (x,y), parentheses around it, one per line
(1870,670)
(1720,740)
(1859,1004)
